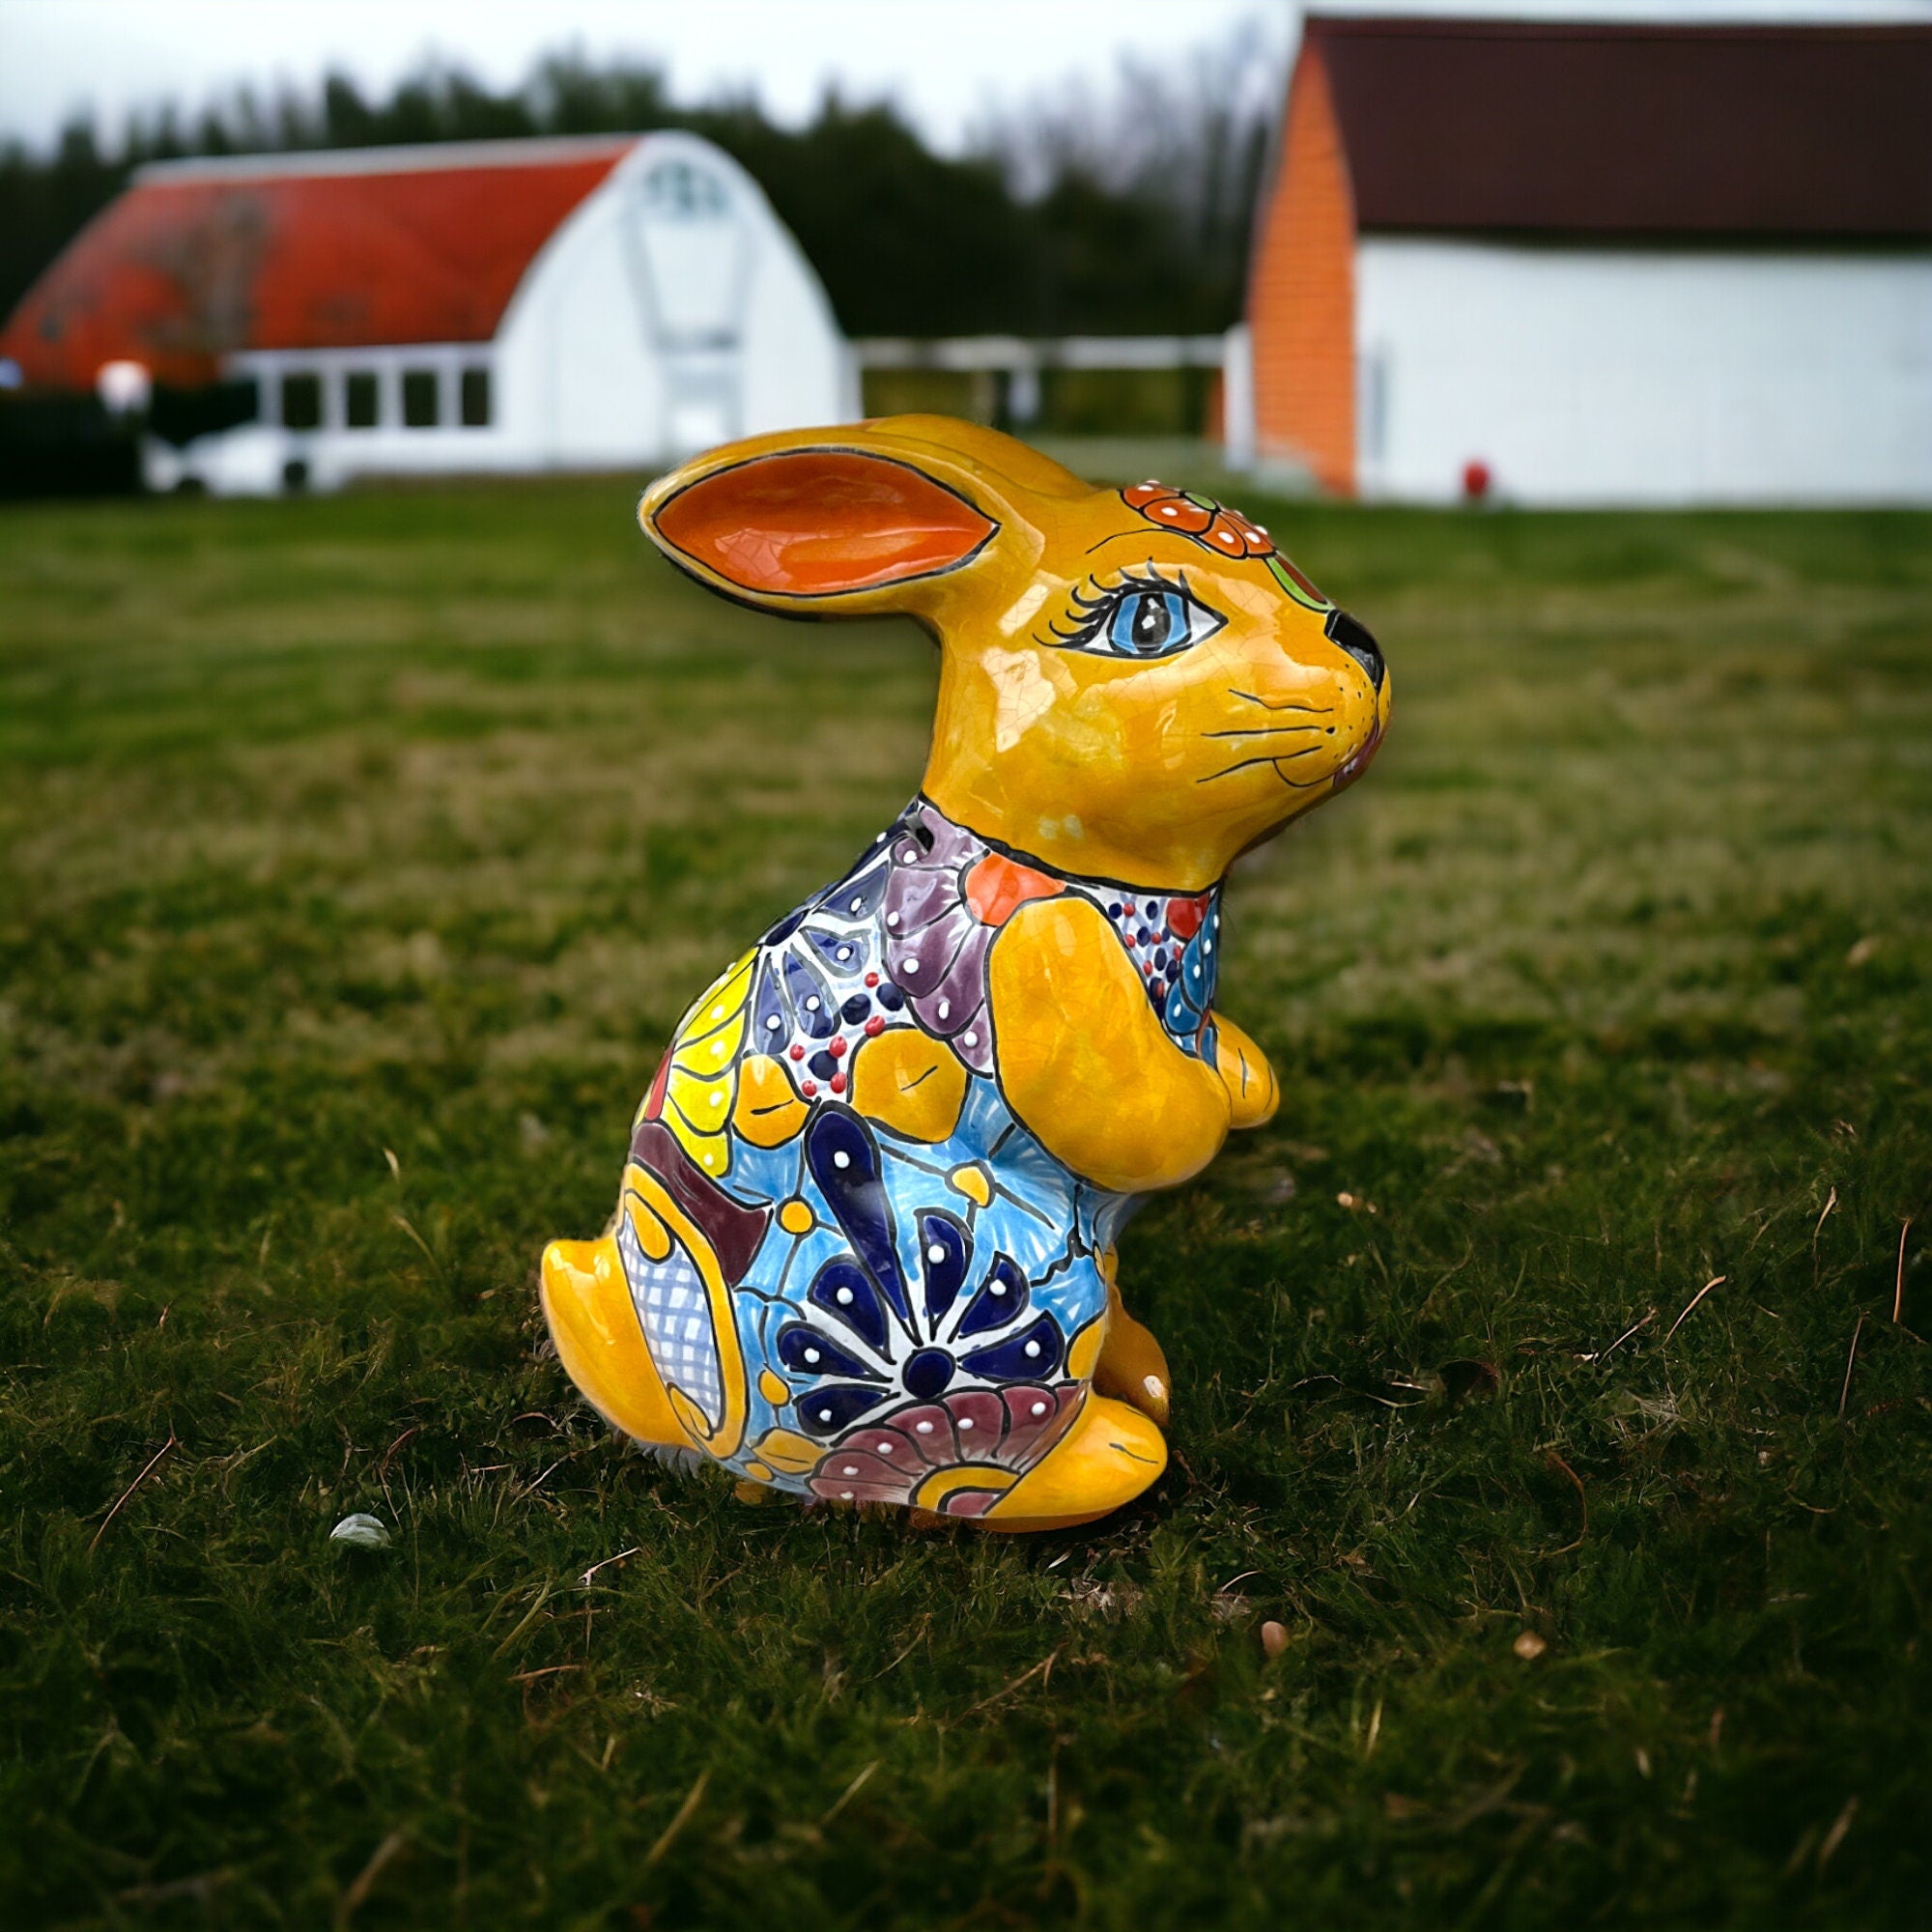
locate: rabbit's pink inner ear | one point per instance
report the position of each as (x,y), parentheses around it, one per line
(814,522)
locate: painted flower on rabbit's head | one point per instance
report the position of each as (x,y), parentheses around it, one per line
(1225,531)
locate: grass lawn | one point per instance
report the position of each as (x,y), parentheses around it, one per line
(355,859)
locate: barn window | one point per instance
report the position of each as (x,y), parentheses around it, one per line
(677,191)
(361,399)
(301,401)
(476,398)
(419,398)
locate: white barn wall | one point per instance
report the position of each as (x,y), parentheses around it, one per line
(799,369)
(601,360)
(1645,375)
(578,385)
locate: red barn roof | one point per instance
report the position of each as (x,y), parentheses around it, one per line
(197,260)
(1745,131)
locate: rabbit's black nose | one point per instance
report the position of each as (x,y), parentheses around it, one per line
(1352,636)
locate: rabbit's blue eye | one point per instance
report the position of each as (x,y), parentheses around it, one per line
(1145,621)
(1146,617)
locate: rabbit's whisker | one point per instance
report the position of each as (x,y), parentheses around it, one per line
(1277,761)
(1260,730)
(1287,705)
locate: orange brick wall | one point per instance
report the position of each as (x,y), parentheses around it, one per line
(1301,291)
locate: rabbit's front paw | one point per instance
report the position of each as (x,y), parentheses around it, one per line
(1251,1084)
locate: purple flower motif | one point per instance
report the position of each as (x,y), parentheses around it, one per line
(956,1457)
(936,944)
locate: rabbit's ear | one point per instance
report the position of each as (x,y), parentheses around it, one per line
(815,525)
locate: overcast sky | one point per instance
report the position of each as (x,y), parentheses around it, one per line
(948,62)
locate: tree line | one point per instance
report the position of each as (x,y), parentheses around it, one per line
(1118,212)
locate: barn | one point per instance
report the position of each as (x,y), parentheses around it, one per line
(297,319)
(1596,264)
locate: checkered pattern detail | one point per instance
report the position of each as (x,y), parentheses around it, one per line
(670,1302)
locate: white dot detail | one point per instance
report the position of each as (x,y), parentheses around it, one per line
(892,919)
(965,1422)
(908,965)
(773,1024)
(945,1009)
(924,1428)
(825,1415)
(717,1012)
(811,1005)
(971,1038)
(812,1354)
(844,1298)
(844,952)
(842,1158)
(858,905)
(935,1254)
(1031,1349)
(850,1469)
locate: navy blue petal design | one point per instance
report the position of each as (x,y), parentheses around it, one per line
(841,950)
(827,1410)
(766,1007)
(844,1161)
(1001,1296)
(1010,1361)
(847,1292)
(858,898)
(808,1352)
(945,1250)
(812,1000)
(778,934)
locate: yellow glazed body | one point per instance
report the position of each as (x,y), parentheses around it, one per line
(864,1244)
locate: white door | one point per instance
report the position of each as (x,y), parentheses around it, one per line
(696,244)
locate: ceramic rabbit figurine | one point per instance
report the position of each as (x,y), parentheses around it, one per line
(863,1248)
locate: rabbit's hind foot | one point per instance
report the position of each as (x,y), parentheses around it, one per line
(1131,1366)
(1110,1455)
(588,1304)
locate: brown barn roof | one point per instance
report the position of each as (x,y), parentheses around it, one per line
(377,245)
(1634,130)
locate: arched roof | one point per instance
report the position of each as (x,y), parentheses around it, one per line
(197,260)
